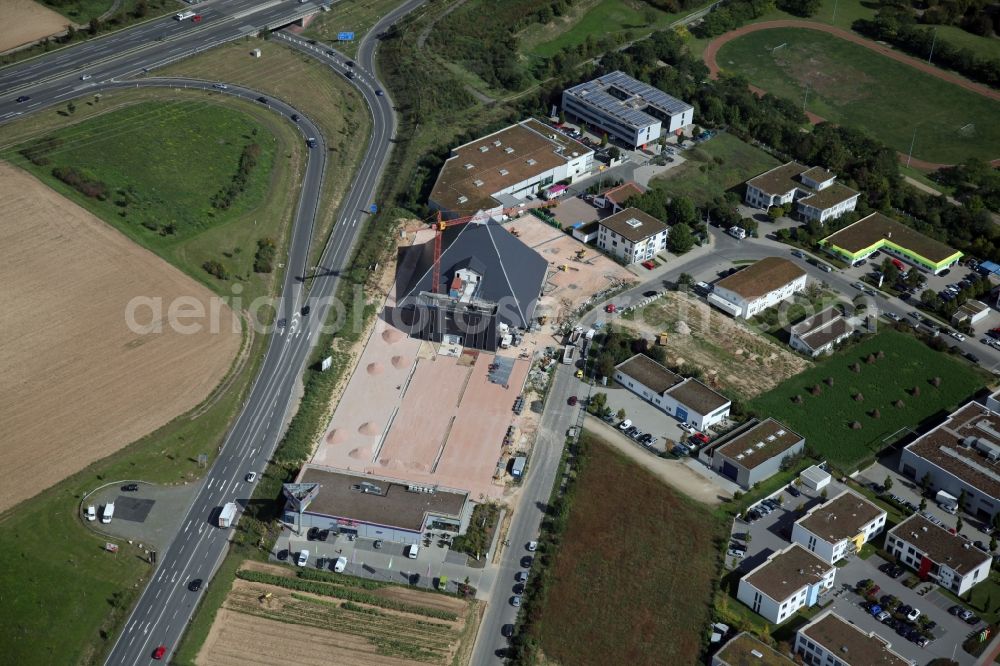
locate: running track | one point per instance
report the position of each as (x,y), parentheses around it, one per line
(712,50)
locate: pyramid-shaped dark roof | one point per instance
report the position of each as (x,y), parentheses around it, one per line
(513,273)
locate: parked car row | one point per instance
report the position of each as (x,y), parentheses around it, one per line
(892,570)
(964,614)
(903,627)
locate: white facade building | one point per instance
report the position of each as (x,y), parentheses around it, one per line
(632,236)
(819,197)
(820,333)
(937,554)
(758,287)
(687,400)
(790,579)
(628,110)
(839,527)
(830,640)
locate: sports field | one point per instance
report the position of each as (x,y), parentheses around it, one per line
(885,396)
(633,572)
(848,84)
(703,178)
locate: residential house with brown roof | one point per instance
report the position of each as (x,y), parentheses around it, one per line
(937,554)
(839,527)
(687,400)
(790,579)
(820,333)
(814,191)
(754,451)
(501,169)
(757,287)
(961,455)
(632,235)
(830,640)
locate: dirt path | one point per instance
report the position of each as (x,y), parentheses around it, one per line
(710,56)
(672,472)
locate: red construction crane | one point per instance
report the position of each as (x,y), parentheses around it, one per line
(440,225)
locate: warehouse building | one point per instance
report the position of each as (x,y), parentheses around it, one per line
(830,640)
(961,455)
(815,192)
(628,110)
(372,507)
(937,554)
(632,236)
(754,451)
(757,287)
(839,527)
(500,170)
(482,297)
(877,232)
(687,400)
(790,579)
(820,333)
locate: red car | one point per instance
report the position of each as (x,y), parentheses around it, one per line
(196,18)
(700,437)
(159,652)
(649,264)
(572,401)
(610,307)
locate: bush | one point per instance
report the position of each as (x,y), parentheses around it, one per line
(263,261)
(37,153)
(225,197)
(216,268)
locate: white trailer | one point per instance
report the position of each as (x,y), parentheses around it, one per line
(227,515)
(947,501)
(183,16)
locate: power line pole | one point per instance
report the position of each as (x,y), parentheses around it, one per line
(834,19)
(933,42)
(912,141)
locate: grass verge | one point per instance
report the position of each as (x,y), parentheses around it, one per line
(357,16)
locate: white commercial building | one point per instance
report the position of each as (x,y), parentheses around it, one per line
(790,579)
(501,169)
(687,400)
(632,236)
(839,527)
(830,640)
(937,554)
(754,452)
(628,110)
(820,333)
(814,190)
(757,287)
(815,478)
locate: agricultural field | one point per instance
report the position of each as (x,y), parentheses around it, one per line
(640,587)
(311,87)
(24,21)
(714,167)
(731,356)
(326,619)
(856,402)
(846,83)
(186,215)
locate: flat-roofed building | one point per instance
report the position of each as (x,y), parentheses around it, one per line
(631,111)
(632,235)
(820,333)
(877,232)
(746,649)
(839,527)
(937,554)
(970,313)
(961,455)
(757,287)
(790,579)
(502,168)
(814,191)
(374,507)
(754,451)
(687,400)
(830,640)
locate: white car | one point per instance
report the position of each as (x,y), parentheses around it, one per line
(91,512)
(84,77)
(913,615)
(532,546)
(251,477)
(303,558)
(220,86)
(958,336)
(340,564)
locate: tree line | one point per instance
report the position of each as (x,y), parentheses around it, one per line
(225,197)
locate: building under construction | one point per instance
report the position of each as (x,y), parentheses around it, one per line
(484,286)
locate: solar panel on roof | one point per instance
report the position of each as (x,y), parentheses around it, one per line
(594,93)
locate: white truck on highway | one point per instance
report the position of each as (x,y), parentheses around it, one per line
(227,515)
(183,16)
(947,501)
(108,513)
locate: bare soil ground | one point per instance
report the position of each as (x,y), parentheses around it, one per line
(315,630)
(25,21)
(78,383)
(731,355)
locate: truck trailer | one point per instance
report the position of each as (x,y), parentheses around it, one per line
(227,515)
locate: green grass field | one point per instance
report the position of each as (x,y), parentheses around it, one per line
(702,179)
(633,572)
(594,19)
(851,85)
(80,11)
(986,47)
(824,419)
(357,16)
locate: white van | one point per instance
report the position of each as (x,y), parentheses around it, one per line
(91,512)
(340,564)
(412,551)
